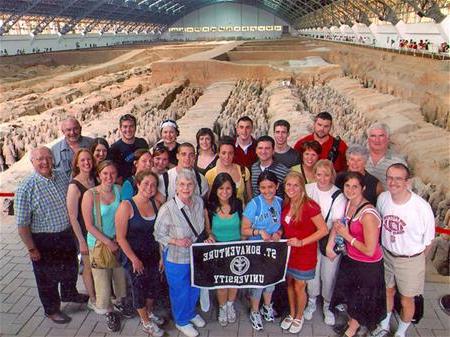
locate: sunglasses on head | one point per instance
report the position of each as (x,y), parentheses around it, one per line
(273,213)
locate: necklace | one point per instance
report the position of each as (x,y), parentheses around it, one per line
(355,209)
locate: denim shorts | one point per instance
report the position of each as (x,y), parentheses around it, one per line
(257,292)
(302,275)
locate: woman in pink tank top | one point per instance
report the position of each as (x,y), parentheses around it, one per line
(360,282)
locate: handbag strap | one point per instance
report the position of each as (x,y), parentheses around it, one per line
(189,222)
(333,198)
(98,214)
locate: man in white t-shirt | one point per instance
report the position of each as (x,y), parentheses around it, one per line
(407,232)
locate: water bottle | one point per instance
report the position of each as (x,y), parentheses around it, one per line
(339,246)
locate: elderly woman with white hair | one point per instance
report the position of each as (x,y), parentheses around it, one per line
(357,156)
(179,224)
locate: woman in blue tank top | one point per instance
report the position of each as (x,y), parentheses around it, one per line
(224,215)
(135,221)
(101,227)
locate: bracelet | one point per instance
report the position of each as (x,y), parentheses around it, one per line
(352,242)
(253,232)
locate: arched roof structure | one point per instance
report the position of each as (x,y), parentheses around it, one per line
(160,14)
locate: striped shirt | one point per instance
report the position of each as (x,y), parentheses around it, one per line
(63,154)
(40,203)
(280,171)
(379,169)
(171,224)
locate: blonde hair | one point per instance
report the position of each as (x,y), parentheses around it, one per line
(326,164)
(296,205)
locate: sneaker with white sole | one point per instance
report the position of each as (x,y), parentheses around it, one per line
(188,330)
(231,312)
(156,319)
(198,321)
(296,326)
(152,329)
(267,312)
(379,332)
(309,310)
(328,317)
(112,321)
(255,318)
(287,322)
(223,319)
(91,305)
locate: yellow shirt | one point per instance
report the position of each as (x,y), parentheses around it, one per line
(240,185)
(298,168)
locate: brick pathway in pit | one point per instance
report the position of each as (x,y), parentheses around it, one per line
(21,313)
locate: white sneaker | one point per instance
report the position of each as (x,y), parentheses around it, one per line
(223,320)
(198,321)
(328,317)
(188,330)
(309,310)
(267,312)
(231,312)
(156,319)
(296,326)
(152,329)
(255,318)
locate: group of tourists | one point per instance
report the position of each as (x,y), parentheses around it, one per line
(357,232)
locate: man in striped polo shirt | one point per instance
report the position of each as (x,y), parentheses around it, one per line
(265,148)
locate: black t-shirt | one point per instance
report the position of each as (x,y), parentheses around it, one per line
(123,155)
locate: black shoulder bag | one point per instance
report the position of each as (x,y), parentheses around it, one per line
(324,241)
(199,237)
(334,152)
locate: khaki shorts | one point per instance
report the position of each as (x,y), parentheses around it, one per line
(408,274)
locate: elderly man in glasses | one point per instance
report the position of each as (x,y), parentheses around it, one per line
(64,150)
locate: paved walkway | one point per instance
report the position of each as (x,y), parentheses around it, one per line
(21,313)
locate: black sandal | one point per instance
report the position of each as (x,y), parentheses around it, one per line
(59,318)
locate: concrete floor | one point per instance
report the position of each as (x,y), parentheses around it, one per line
(21,313)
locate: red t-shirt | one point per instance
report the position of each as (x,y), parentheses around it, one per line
(340,164)
(305,257)
(245,159)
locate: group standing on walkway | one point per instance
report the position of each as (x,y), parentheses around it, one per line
(357,233)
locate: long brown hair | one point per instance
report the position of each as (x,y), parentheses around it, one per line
(296,205)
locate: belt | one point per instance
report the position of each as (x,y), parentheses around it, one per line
(402,256)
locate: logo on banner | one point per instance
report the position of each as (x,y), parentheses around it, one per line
(239,265)
(242,264)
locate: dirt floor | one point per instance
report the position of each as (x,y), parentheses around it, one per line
(96,86)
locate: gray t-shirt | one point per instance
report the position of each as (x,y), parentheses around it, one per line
(289,158)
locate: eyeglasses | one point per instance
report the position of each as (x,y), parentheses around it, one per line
(395,179)
(273,213)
